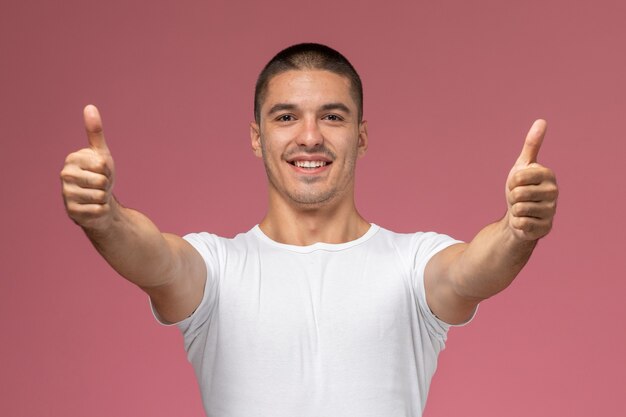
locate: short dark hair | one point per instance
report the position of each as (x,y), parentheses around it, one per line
(308,56)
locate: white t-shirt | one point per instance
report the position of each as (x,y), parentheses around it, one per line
(326,330)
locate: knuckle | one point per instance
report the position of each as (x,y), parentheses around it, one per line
(71,158)
(552,206)
(103,183)
(65,175)
(519,177)
(515,222)
(553,190)
(68,192)
(73,208)
(68,174)
(517,194)
(99,210)
(99,196)
(99,164)
(76,158)
(525,224)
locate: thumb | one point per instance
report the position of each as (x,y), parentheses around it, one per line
(532,144)
(93,126)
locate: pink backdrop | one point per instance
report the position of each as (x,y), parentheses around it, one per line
(450,91)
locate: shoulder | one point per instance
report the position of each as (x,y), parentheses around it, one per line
(415,245)
(212,246)
(412,238)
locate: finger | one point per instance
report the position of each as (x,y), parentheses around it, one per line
(93,126)
(93,180)
(532,144)
(532,175)
(85,179)
(83,213)
(530,193)
(90,160)
(542,210)
(531,228)
(75,194)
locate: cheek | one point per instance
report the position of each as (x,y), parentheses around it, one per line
(271,158)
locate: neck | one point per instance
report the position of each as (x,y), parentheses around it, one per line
(302,226)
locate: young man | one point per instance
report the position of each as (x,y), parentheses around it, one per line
(315,311)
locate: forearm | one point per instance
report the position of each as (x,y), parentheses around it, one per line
(134,247)
(490,262)
(165,266)
(461,276)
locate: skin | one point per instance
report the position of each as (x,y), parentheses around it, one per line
(310,116)
(458,278)
(165,266)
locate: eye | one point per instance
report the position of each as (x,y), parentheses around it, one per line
(285,118)
(333,117)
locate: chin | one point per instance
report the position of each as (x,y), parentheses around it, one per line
(313,200)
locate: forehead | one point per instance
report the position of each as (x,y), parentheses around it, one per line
(308,87)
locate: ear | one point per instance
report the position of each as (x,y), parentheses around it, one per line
(255,139)
(363,139)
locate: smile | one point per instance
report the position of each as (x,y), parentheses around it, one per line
(309,164)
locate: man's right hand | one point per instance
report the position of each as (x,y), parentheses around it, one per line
(88,177)
(164,265)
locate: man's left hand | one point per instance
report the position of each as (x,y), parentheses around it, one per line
(531,190)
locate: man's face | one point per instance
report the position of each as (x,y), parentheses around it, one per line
(309,137)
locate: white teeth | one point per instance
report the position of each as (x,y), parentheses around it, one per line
(309,164)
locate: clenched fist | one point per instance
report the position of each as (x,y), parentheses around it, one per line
(531,190)
(88,177)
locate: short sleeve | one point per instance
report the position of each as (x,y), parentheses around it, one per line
(207,246)
(424,247)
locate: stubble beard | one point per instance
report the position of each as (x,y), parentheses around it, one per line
(309,198)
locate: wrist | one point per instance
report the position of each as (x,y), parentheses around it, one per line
(106,224)
(515,237)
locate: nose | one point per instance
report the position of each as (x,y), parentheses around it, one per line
(310,135)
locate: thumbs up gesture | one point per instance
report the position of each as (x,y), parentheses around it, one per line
(531,190)
(87,178)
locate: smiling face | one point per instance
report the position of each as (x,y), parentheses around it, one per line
(309,138)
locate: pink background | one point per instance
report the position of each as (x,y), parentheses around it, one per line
(450,91)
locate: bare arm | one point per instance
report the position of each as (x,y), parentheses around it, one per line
(165,266)
(461,276)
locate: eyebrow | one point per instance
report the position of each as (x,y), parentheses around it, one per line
(289,106)
(280,107)
(336,106)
